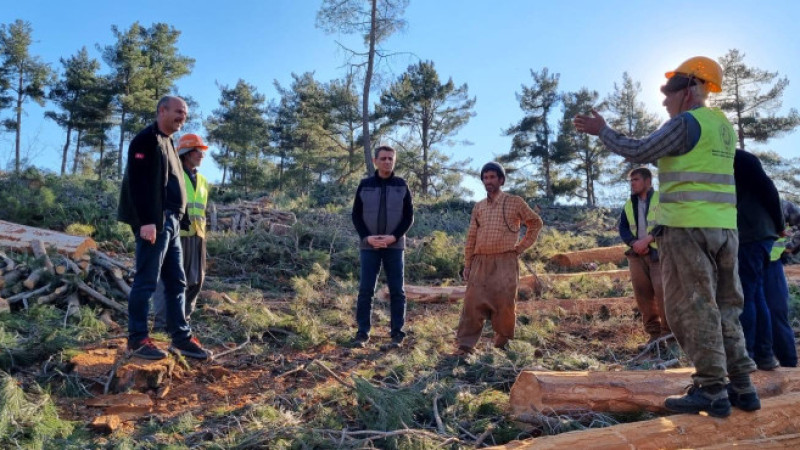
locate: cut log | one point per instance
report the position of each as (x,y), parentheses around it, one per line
(116,275)
(4,306)
(429,294)
(779,416)
(34,277)
(9,278)
(18,237)
(601,255)
(51,297)
(792,272)
(37,246)
(626,391)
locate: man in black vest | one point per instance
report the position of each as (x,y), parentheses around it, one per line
(153,201)
(382,214)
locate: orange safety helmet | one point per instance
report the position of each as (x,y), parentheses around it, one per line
(189,142)
(702,68)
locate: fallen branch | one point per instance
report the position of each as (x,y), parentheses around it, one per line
(331,373)
(37,246)
(100,297)
(26,295)
(49,298)
(239,347)
(439,424)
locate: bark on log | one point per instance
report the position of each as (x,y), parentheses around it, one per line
(627,391)
(37,246)
(18,237)
(116,275)
(779,416)
(540,282)
(792,272)
(601,255)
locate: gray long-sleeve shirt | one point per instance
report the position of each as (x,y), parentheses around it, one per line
(676,137)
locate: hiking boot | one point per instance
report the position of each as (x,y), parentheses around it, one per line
(744,398)
(360,340)
(191,348)
(713,400)
(146,349)
(397,342)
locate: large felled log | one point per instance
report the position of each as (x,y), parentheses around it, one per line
(779,416)
(601,255)
(626,391)
(18,237)
(580,306)
(540,282)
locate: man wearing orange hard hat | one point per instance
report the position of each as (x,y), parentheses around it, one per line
(697,235)
(191,151)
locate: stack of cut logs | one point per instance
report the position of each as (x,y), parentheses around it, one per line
(249,215)
(64,269)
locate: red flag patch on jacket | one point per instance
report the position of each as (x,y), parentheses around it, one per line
(138,155)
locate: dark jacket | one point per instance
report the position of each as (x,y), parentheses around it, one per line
(383,206)
(152,160)
(758,205)
(625,228)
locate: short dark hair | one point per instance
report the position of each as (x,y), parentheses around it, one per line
(164,101)
(643,172)
(383,148)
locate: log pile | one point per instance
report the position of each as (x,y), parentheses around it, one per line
(76,276)
(533,283)
(594,256)
(244,216)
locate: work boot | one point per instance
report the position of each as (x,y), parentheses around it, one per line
(191,348)
(397,342)
(743,397)
(711,399)
(360,340)
(146,349)
(770,364)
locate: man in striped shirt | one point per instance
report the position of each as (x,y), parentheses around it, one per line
(491,268)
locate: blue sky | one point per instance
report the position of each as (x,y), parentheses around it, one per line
(490,45)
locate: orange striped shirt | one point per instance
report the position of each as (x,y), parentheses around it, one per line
(495,224)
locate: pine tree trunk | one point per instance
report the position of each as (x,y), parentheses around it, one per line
(66,149)
(367,82)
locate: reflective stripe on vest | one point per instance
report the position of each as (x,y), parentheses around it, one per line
(196,206)
(697,188)
(651,216)
(777,249)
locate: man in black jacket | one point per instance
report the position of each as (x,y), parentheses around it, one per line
(759,217)
(153,201)
(382,214)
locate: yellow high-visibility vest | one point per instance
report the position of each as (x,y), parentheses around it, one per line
(196,198)
(698,188)
(777,248)
(651,217)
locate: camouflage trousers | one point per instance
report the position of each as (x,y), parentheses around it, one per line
(703,300)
